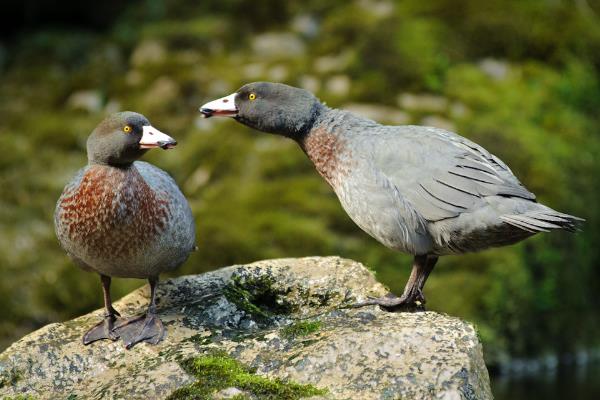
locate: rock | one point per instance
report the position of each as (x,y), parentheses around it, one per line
(306,25)
(278,73)
(495,69)
(377,8)
(438,122)
(87,100)
(330,63)
(310,83)
(459,110)
(379,113)
(422,102)
(253,70)
(148,52)
(277,45)
(281,325)
(338,85)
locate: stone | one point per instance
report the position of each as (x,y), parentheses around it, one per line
(333,62)
(284,323)
(377,8)
(438,122)
(422,102)
(306,25)
(253,70)
(338,85)
(310,83)
(496,69)
(273,45)
(459,110)
(86,100)
(278,73)
(379,113)
(148,52)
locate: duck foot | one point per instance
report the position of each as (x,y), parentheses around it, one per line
(145,328)
(103,330)
(392,303)
(412,299)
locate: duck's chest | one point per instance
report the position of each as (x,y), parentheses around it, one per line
(331,155)
(112,212)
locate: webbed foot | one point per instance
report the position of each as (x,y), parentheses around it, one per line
(145,328)
(104,329)
(391,302)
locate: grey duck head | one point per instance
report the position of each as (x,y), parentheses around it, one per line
(123,137)
(269,107)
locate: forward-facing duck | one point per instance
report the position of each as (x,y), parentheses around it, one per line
(120,217)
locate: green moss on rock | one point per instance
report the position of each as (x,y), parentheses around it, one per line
(300,328)
(258,296)
(218,371)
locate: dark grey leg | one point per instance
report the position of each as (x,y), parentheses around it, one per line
(146,328)
(104,330)
(413,298)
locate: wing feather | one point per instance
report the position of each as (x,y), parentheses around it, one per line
(455,178)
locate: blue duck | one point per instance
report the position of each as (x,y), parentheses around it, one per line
(424,191)
(124,218)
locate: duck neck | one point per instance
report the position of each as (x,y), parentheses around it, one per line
(93,162)
(323,143)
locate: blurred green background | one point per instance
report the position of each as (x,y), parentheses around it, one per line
(522,78)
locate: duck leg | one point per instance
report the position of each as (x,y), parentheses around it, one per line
(104,330)
(413,298)
(145,328)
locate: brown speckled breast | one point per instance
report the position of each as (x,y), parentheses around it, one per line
(328,153)
(111,214)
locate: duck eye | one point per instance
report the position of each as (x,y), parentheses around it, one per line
(127,129)
(252,96)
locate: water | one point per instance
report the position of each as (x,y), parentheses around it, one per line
(570,382)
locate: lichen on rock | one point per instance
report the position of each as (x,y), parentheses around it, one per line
(272,329)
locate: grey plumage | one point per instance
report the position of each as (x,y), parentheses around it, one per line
(421,190)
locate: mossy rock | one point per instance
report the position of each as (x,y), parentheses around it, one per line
(275,329)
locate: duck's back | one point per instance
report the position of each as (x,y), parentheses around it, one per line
(127,222)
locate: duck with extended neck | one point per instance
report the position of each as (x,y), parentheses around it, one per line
(125,218)
(420,190)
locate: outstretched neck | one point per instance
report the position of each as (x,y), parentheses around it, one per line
(325,144)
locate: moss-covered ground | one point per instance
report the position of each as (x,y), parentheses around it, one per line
(217,371)
(300,328)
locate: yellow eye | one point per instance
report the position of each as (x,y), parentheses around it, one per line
(252,96)
(126,129)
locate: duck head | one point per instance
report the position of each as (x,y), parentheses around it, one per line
(269,107)
(124,137)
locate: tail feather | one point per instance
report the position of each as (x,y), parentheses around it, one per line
(543,221)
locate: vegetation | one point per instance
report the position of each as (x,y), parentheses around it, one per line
(300,328)
(218,371)
(522,78)
(257,296)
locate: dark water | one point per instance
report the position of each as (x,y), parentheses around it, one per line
(566,382)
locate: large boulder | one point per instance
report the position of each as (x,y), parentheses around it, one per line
(272,329)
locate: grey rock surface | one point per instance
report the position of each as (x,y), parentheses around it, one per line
(249,312)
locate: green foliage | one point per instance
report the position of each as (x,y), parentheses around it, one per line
(256,196)
(219,371)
